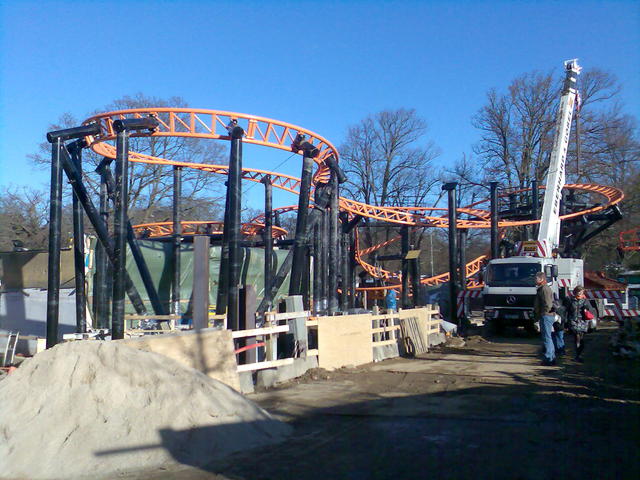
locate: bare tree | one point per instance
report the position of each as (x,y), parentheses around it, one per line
(386,161)
(24,219)
(517,129)
(150,186)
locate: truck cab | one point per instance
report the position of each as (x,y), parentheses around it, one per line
(510,288)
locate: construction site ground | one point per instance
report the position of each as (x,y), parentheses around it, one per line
(484,408)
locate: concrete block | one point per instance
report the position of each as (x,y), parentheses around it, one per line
(270,377)
(246,382)
(383,352)
(437,338)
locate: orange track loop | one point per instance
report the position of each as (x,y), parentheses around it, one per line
(629,240)
(165,229)
(199,123)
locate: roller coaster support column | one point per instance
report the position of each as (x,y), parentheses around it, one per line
(317,280)
(337,177)
(235,204)
(75,149)
(414,267)
(450,187)
(333,246)
(345,263)
(494,219)
(122,129)
(301,239)
(177,238)
(404,250)
(103,275)
(268,239)
(136,253)
(463,270)
(223,274)
(56,138)
(535,206)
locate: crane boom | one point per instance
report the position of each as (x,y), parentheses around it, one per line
(549,232)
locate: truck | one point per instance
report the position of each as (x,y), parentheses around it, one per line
(509,283)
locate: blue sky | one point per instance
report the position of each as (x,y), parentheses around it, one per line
(322,65)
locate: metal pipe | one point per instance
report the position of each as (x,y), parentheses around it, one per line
(177,239)
(450,187)
(78,247)
(415,281)
(55,221)
(99,226)
(352,268)
(404,246)
(235,205)
(301,240)
(268,239)
(75,132)
(494,219)
(333,245)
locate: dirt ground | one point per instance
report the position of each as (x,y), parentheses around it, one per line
(482,409)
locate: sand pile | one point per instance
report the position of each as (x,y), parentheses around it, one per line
(99,408)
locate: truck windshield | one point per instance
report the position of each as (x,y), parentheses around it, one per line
(512,274)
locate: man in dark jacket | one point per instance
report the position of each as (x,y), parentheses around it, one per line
(543,311)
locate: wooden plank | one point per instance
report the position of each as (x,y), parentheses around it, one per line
(274,317)
(385,329)
(312,323)
(152,317)
(260,331)
(344,340)
(385,342)
(250,367)
(312,353)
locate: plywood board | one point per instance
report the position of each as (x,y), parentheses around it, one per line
(208,351)
(424,319)
(344,340)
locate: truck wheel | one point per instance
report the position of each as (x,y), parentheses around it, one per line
(532,328)
(496,326)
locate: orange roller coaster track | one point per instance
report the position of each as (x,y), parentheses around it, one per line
(212,124)
(629,240)
(165,229)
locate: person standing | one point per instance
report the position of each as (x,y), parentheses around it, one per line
(391,301)
(543,312)
(577,319)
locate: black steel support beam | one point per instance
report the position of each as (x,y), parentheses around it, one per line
(78,244)
(317,276)
(494,219)
(120,217)
(267,236)
(404,250)
(333,245)
(223,274)
(301,240)
(450,187)
(235,205)
(344,263)
(55,222)
(102,281)
(177,239)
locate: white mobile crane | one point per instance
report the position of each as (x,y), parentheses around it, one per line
(509,290)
